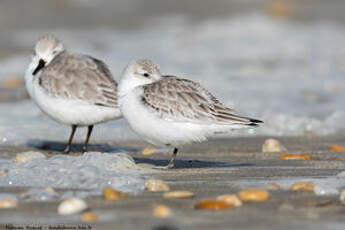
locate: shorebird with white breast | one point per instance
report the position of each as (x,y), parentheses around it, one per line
(172,111)
(72,89)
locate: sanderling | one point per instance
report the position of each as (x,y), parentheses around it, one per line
(72,89)
(171,111)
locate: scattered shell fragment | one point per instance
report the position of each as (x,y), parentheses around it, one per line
(272,145)
(162,211)
(88,217)
(253,195)
(178,194)
(295,157)
(230,199)
(2,174)
(148,151)
(273,186)
(305,186)
(28,156)
(154,185)
(212,205)
(8,201)
(71,206)
(336,148)
(111,194)
(342,196)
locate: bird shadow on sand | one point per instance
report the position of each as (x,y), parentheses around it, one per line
(53,146)
(190,164)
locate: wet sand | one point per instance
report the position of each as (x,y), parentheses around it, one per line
(208,170)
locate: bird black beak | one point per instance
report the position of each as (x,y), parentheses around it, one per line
(40,65)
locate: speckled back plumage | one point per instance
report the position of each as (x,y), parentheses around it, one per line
(79,77)
(185,100)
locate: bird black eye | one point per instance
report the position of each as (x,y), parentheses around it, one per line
(146,75)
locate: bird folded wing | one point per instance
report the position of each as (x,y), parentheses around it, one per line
(80,77)
(185,100)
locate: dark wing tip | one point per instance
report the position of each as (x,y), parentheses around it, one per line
(255,121)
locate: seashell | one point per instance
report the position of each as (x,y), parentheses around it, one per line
(148,151)
(336,148)
(88,217)
(154,185)
(178,194)
(272,145)
(162,211)
(8,201)
(230,199)
(253,195)
(306,186)
(212,205)
(294,157)
(71,206)
(111,194)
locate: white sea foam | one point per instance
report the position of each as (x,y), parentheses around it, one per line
(90,172)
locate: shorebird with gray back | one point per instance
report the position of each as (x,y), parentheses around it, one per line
(171,111)
(72,89)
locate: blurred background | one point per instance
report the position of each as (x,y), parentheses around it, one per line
(281,61)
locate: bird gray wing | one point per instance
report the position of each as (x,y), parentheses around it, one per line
(79,77)
(185,100)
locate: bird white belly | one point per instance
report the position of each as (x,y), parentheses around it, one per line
(70,112)
(156,130)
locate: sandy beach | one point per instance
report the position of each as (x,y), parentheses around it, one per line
(281,61)
(208,170)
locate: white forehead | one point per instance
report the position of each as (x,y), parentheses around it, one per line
(47,43)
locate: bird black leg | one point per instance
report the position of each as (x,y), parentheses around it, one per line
(89,131)
(171,162)
(68,148)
